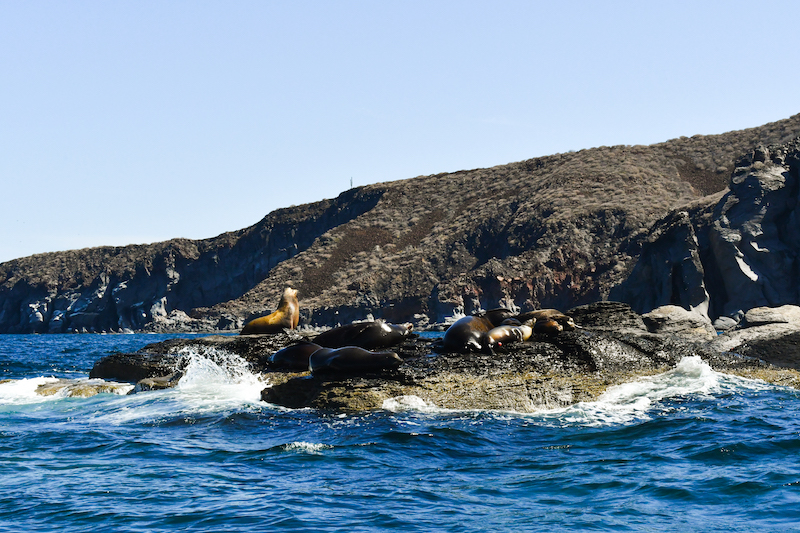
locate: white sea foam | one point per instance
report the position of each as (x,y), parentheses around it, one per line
(409,403)
(23,391)
(214,381)
(691,377)
(306,447)
(630,401)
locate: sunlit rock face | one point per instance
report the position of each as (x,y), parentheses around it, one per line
(754,236)
(732,255)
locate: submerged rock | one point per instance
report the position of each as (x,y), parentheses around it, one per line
(82,388)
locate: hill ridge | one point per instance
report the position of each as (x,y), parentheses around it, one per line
(551,231)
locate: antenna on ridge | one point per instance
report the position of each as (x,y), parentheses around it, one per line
(351,183)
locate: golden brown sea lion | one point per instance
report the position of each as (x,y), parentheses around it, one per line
(547,326)
(285,317)
(504,335)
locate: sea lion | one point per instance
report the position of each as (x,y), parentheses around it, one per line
(294,357)
(503,335)
(566,322)
(369,335)
(526,331)
(351,359)
(468,334)
(497,316)
(548,326)
(286,316)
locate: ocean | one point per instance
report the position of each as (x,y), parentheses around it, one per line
(688,450)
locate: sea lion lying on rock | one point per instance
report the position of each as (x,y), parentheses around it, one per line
(468,334)
(294,357)
(545,316)
(498,327)
(287,316)
(506,334)
(369,335)
(351,359)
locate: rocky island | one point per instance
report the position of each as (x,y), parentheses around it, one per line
(684,249)
(612,346)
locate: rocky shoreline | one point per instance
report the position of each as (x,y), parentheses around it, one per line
(612,346)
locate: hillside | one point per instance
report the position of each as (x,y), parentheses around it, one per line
(555,231)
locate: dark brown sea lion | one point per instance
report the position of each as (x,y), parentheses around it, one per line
(351,359)
(294,357)
(369,335)
(286,316)
(468,334)
(548,326)
(497,316)
(566,322)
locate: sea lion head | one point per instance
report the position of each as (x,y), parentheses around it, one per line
(548,326)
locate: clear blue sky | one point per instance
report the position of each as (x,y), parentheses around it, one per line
(133,122)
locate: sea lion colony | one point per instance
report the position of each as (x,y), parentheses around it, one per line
(347,348)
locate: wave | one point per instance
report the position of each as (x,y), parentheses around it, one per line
(620,404)
(214,382)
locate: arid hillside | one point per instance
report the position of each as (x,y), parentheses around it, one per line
(555,231)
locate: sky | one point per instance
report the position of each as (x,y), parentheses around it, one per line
(135,122)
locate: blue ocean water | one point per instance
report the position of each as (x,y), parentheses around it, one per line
(688,450)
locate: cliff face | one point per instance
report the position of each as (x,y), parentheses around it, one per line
(556,231)
(732,253)
(131,287)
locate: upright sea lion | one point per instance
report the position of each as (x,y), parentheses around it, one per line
(294,357)
(351,359)
(286,316)
(369,335)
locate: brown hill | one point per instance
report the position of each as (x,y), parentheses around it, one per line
(555,231)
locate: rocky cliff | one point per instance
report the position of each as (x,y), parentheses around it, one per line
(555,231)
(728,253)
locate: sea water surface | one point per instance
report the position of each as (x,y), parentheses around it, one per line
(688,450)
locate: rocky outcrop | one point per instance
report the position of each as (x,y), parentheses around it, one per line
(669,270)
(732,254)
(676,320)
(546,372)
(157,287)
(554,231)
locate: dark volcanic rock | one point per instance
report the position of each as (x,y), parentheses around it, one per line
(614,316)
(669,270)
(133,367)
